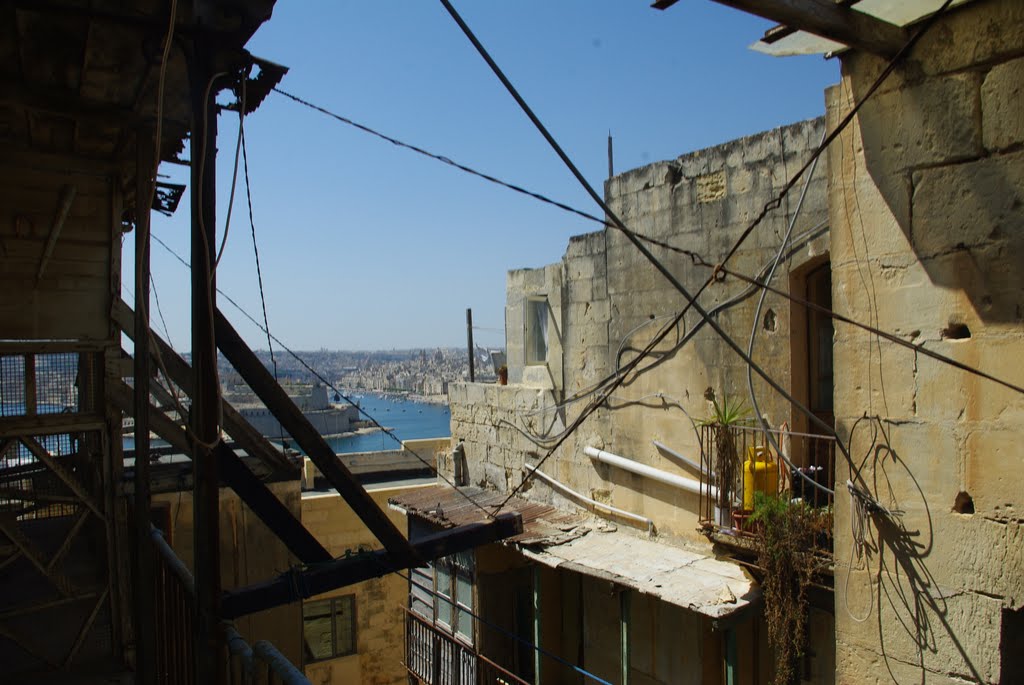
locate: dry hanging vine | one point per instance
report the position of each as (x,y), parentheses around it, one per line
(785,552)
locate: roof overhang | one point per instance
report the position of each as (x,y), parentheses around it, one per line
(685,578)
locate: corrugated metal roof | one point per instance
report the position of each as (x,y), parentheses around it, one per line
(564,540)
(447,507)
(898,12)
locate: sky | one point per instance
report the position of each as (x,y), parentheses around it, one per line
(364,245)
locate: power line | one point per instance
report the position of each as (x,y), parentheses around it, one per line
(387,431)
(691,300)
(443,159)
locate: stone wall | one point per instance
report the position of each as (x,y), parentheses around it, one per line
(250,553)
(609,302)
(926,197)
(380,623)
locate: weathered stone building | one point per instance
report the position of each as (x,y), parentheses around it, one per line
(912,223)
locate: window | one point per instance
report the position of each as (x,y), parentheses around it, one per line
(454,583)
(537,312)
(329,628)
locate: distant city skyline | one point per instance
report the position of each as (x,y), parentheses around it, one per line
(368,247)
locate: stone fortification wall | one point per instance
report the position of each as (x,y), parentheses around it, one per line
(927,211)
(333,421)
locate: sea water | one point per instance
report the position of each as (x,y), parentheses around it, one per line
(407,419)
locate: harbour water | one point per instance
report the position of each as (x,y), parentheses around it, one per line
(407,419)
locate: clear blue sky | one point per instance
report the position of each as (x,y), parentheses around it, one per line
(367,246)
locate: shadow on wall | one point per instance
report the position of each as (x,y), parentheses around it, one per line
(960,206)
(909,597)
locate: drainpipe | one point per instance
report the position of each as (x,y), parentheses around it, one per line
(536,624)
(686,460)
(624,637)
(687,484)
(569,492)
(730,656)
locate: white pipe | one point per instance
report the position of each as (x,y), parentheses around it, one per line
(565,489)
(688,484)
(686,460)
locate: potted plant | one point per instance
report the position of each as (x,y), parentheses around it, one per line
(724,416)
(503,375)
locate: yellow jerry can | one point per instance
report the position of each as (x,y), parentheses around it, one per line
(760,474)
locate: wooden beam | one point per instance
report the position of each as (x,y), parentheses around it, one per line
(827,19)
(237,476)
(49,424)
(294,585)
(67,196)
(309,439)
(181,375)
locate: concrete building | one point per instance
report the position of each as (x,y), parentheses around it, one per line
(911,223)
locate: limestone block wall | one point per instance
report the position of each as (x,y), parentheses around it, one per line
(613,303)
(702,202)
(520,285)
(380,623)
(926,197)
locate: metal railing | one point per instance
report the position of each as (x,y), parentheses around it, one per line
(261,664)
(436,658)
(755,470)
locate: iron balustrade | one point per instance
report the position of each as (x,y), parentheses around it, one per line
(261,664)
(436,658)
(757,468)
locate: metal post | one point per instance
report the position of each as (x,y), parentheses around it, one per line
(469,342)
(207,653)
(730,656)
(145,633)
(536,625)
(611,166)
(624,631)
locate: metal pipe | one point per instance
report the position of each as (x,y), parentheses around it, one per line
(685,460)
(622,513)
(279,664)
(688,484)
(176,565)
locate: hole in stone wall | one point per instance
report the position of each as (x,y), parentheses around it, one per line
(956,331)
(964,503)
(770,321)
(673,176)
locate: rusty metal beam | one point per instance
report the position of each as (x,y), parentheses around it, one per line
(181,375)
(297,585)
(309,439)
(824,18)
(237,476)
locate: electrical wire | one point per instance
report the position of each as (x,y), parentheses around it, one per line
(243,79)
(754,326)
(809,234)
(387,431)
(775,203)
(891,337)
(441,158)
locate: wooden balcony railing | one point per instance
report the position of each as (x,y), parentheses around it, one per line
(756,470)
(436,658)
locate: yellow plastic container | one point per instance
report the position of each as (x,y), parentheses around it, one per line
(760,474)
